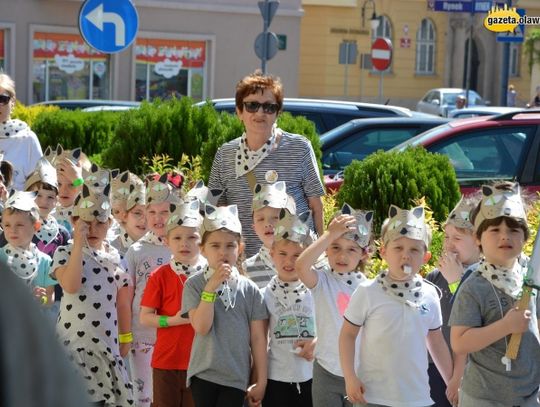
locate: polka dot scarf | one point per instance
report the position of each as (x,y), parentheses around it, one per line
(11,127)
(125,240)
(247,159)
(227,289)
(24,263)
(288,293)
(509,281)
(351,278)
(408,292)
(48,230)
(107,257)
(152,238)
(265,257)
(64,213)
(188,269)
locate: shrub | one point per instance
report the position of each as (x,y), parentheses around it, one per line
(28,114)
(400,178)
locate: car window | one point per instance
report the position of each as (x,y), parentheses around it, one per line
(487,154)
(315,117)
(359,145)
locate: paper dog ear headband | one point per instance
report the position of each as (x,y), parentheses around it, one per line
(364,220)
(496,202)
(23,201)
(221,217)
(293,227)
(186,214)
(44,172)
(128,189)
(405,223)
(273,196)
(460,216)
(91,204)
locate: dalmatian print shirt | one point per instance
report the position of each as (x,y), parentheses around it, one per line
(88,326)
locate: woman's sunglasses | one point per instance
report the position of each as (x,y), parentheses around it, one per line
(4,99)
(269,108)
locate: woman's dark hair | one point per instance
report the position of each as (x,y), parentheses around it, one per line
(257,82)
(6,169)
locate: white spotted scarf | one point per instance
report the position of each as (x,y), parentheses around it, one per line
(509,281)
(288,293)
(266,258)
(247,159)
(188,269)
(151,238)
(409,292)
(23,262)
(227,289)
(108,257)
(350,278)
(48,230)
(125,240)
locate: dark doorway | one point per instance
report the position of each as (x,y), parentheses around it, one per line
(474,66)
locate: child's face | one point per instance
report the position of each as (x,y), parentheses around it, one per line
(221,247)
(344,255)
(284,254)
(46,201)
(501,244)
(119,212)
(462,244)
(184,244)
(404,252)
(66,191)
(156,216)
(264,221)
(97,232)
(135,224)
(18,228)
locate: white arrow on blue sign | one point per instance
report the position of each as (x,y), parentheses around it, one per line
(109,26)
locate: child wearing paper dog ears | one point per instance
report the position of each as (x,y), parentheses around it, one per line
(92,318)
(268,200)
(142,258)
(347,245)
(459,259)
(292,318)
(160,307)
(20,220)
(228,314)
(400,316)
(484,312)
(128,201)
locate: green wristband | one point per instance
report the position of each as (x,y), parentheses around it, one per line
(78,182)
(163,321)
(208,297)
(453,287)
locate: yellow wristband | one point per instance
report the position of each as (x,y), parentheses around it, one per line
(453,287)
(208,297)
(125,338)
(44,300)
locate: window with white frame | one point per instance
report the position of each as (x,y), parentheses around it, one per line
(425,47)
(514,59)
(383,30)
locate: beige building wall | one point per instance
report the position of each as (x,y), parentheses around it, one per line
(228,26)
(326,23)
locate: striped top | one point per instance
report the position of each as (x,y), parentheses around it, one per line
(258,271)
(293,160)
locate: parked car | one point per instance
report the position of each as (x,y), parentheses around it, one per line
(441,101)
(481,111)
(358,138)
(487,148)
(74,104)
(326,114)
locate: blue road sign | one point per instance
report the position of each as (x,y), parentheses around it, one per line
(108,26)
(461,6)
(519,32)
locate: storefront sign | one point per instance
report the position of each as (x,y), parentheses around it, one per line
(171,54)
(69,64)
(50,45)
(168,68)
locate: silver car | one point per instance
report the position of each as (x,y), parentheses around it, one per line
(441,101)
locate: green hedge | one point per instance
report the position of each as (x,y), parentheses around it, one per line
(401,178)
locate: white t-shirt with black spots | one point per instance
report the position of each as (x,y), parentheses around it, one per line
(88,328)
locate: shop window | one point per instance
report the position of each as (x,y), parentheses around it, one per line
(170,68)
(65,67)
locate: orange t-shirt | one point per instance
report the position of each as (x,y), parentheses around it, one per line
(163,292)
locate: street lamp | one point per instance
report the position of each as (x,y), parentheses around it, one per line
(374,20)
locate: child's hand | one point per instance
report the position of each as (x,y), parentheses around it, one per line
(40,294)
(222,274)
(516,320)
(452,390)
(307,347)
(68,169)
(255,394)
(176,319)
(355,390)
(340,225)
(80,231)
(124,349)
(450,267)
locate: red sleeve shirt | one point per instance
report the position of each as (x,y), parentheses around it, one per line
(163,292)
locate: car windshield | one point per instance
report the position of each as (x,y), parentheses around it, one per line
(474,98)
(419,139)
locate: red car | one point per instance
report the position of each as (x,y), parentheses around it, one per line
(483,149)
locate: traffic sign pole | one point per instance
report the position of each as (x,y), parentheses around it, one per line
(265,50)
(381,58)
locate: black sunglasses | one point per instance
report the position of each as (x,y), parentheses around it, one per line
(4,99)
(269,108)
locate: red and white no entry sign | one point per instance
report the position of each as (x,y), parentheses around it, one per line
(381,53)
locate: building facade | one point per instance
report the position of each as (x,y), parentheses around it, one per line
(429,51)
(198,48)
